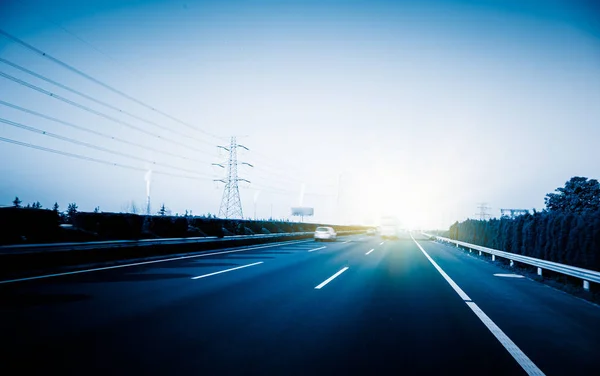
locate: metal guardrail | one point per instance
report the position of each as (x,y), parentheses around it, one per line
(57,247)
(586,275)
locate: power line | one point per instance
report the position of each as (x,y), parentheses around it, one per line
(83,157)
(98,113)
(106,86)
(98,82)
(267,161)
(278,184)
(274,176)
(14,106)
(41,77)
(91,46)
(91,146)
(274,167)
(286,177)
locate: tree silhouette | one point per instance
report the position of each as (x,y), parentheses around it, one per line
(71,211)
(55,207)
(578,194)
(16,202)
(162,210)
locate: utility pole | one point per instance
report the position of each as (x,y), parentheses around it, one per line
(231,204)
(483,208)
(338,208)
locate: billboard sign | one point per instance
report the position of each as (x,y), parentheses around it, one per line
(303,211)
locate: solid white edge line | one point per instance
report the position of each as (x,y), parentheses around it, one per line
(456,288)
(331,278)
(523,360)
(370,251)
(316,249)
(150,262)
(227,270)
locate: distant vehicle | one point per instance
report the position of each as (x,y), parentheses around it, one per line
(371,231)
(389,228)
(325,233)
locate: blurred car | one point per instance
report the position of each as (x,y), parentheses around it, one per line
(371,231)
(325,233)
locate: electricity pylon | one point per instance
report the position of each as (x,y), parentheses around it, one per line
(231,204)
(483,208)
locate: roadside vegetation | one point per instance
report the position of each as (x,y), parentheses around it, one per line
(33,224)
(566,231)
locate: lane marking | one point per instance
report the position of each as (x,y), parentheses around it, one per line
(524,361)
(316,249)
(370,251)
(150,262)
(456,288)
(509,275)
(381,243)
(331,278)
(227,270)
(347,241)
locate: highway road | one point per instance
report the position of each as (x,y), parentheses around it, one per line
(356,306)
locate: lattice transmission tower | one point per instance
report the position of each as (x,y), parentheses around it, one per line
(231,204)
(483,211)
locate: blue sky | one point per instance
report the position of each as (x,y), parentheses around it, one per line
(420,108)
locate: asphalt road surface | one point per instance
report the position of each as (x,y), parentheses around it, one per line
(355,306)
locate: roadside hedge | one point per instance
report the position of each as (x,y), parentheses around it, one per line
(24,225)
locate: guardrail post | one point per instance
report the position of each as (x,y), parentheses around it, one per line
(587,276)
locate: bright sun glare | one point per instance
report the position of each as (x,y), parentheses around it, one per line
(385,193)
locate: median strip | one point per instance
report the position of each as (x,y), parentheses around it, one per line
(370,251)
(331,278)
(316,249)
(227,270)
